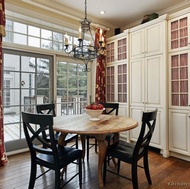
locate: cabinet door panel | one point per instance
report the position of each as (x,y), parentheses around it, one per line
(136,113)
(156,137)
(153,78)
(154,38)
(137,81)
(179,131)
(137,44)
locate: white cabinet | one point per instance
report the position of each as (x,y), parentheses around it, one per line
(179,102)
(117,73)
(147,92)
(147,81)
(179,131)
(147,41)
(179,84)
(117,69)
(148,88)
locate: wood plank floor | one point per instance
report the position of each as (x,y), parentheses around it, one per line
(166,173)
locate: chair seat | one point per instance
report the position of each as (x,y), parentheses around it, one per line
(121,150)
(66,156)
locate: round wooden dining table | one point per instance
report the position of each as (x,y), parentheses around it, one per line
(82,125)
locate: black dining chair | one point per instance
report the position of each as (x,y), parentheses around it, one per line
(48,154)
(110,108)
(132,152)
(50,109)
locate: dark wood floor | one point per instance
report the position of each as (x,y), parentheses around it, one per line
(166,173)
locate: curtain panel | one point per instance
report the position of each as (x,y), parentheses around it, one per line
(3,157)
(100,69)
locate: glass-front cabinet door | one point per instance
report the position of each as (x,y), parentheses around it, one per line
(179,33)
(110,57)
(110,78)
(116,49)
(179,84)
(116,83)
(122,49)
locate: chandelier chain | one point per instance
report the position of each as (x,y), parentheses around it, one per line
(85,9)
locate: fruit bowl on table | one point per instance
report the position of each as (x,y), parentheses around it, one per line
(94,111)
(94,114)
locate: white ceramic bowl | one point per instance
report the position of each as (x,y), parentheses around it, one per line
(94,114)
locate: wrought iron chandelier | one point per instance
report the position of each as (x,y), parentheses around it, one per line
(83,51)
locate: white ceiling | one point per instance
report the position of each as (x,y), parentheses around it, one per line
(119,13)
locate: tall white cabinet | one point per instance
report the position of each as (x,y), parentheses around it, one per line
(117,73)
(179,84)
(148,81)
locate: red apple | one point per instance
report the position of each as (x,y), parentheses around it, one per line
(100,107)
(89,106)
(94,107)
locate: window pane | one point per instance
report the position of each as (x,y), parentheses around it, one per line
(9,37)
(11,62)
(28,64)
(34,42)
(47,34)
(9,25)
(57,46)
(20,39)
(20,28)
(46,44)
(57,37)
(34,31)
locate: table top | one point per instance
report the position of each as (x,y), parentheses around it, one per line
(81,124)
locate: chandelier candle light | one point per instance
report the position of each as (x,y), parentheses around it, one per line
(83,51)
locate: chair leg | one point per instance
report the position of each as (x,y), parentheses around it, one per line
(76,142)
(134,175)
(96,145)
(57,178)
(32,175)
(80,172)
(146,168)
(87,149)
(118,166)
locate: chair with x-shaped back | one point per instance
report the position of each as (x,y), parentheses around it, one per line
(110,108)
(50,109)
(48,153)
(132,152)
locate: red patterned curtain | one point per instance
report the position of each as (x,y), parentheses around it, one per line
(100,68)
(3,157)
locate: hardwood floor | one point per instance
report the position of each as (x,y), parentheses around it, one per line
(166,173)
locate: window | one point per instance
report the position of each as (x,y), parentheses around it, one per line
(71,87)
(24,34)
